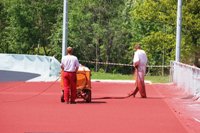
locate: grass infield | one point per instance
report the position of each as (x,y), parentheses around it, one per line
(110,76)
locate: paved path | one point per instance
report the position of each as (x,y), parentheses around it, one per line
(36,108)
(16,76)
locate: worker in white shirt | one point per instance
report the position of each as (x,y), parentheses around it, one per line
(69,65)
(140,63)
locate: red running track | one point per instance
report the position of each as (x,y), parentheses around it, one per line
(35,107)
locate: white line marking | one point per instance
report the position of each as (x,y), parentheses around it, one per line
(196,119)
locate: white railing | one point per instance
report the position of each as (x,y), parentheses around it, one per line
(186,77)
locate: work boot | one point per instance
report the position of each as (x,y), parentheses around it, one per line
(73,102)
(62,97)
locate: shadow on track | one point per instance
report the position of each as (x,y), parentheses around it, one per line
(92,102)
(127,97)
(16,76)
(110,98)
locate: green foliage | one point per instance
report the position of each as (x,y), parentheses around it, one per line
(154,23)
(110,76)
(159,48)
(3,25)
(98,31)
(101,30)
(29,25)
(191,32)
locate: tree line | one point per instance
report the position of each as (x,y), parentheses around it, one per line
(101,30)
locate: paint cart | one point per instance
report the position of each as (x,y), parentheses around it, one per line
(84,83)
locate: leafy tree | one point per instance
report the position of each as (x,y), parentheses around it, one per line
(3,25)
(30,25)
(154,24)
(191,32)
(98,31)
(101,30)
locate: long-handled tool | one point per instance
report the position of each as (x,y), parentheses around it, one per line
(132,93)
(136,87)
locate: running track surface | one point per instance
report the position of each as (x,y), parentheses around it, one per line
(35,107)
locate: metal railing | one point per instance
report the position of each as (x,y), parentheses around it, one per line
(186,77)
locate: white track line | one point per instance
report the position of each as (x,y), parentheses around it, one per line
(196,119)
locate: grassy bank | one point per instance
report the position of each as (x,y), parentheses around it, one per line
(153,79)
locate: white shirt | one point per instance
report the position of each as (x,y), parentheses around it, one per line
(140,58)
(70,63)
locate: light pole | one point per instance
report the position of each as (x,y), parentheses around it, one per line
(65,27)
(178,30)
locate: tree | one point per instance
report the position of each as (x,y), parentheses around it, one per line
(154,25)
(30,24)
(191,32)
(3,25)
(99,31)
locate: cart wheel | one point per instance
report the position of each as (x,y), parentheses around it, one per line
(88,96)
(62,97)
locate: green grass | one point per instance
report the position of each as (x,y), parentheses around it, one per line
(158,79)
(104,76)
